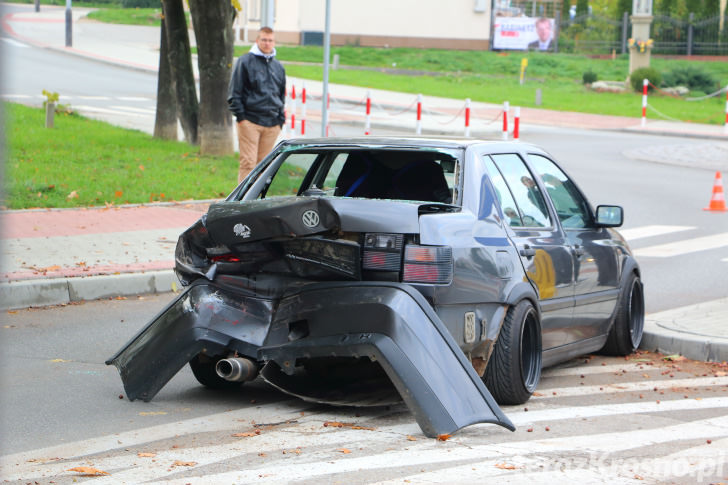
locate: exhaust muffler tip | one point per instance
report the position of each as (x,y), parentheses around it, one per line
(236,369)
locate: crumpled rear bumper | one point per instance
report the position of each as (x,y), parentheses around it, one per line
(390,323)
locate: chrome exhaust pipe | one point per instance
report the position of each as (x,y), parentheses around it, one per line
(236,369)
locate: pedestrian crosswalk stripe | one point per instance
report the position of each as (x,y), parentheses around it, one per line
(651,231)
(687,246)
(614,387)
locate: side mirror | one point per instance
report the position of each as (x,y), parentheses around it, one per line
(610,216)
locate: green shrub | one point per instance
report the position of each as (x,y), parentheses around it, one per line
(649,73)
(589,77)
(691,77)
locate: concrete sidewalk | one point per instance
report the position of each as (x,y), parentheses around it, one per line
(63,255)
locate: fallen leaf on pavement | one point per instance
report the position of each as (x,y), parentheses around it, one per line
(152,413)
(411,438)
(344,450)
(674,358)
(443,437)
(505,466)
(337,424)
(88,471)
(184,463)
(247,434)
(60,360)
(146,455)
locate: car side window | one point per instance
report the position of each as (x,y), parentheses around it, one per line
(289,177)
(503,193)
(528,197)
(571,207)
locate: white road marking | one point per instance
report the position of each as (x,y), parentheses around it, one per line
(650,231)
(132,109)
(96,109)
(133,98)
(13,42)
(614,387)
(327,461)
(94,98)
(684,247)
(590,370)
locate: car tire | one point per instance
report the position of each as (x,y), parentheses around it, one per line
(626,332)
(514,367)
(203,367)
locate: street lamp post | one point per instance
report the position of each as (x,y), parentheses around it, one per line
(327,48)
(69,25)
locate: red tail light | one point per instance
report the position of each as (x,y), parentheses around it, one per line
(225,258)
(382,252)
(427,264)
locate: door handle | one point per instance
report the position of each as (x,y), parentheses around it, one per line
(527,251)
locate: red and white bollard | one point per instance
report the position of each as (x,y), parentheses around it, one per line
(418,130)
(368,119)
(303,110)
(293,109)
(467,117)
(505,120)
(725,127)
(516,122)
(644,102)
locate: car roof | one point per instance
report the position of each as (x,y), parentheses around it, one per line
(403,142)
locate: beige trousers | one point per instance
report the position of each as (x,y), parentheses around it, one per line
(255,143)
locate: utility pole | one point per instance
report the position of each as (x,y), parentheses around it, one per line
(69,25)
(268,13)
(327,49)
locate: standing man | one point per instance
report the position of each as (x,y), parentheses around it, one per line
(256,96)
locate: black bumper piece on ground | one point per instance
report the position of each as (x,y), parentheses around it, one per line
(389,323)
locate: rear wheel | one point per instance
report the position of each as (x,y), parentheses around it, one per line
(514,368)
(203,367)
(626,333)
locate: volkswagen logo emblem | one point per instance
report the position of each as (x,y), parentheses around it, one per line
(310,218)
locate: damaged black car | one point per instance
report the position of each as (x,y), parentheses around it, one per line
(444,273)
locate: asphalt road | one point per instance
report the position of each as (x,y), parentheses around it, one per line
(593,420)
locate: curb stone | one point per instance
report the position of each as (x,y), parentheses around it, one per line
(59,291)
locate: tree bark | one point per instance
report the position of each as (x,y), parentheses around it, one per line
(165,122)
(213,24)
(180,64)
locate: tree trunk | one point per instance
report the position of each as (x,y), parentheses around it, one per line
(213,24)
(180,64)
(165,122)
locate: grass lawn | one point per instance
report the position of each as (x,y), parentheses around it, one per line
(83,162)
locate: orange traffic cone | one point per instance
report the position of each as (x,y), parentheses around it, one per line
(717,201)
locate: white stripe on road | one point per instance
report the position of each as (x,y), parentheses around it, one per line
(591,370)
(133,98)
(427,453)
(631,387)
(684,247)
(96,109)
(147,111)
(320,444)
(94,98)
(650,231)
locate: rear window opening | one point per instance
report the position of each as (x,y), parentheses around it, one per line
(416,175)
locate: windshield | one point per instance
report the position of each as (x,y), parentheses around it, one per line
(421,175)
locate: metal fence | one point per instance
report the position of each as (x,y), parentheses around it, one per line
(598,34)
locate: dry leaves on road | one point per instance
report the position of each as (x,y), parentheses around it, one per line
(505,466)
(146,455)
(443,437)
(184,463)
(246,434)
(337,424)
(87,471)
(344,451)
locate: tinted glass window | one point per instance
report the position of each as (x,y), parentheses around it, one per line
(572,209)
(290,174)
(528,197)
